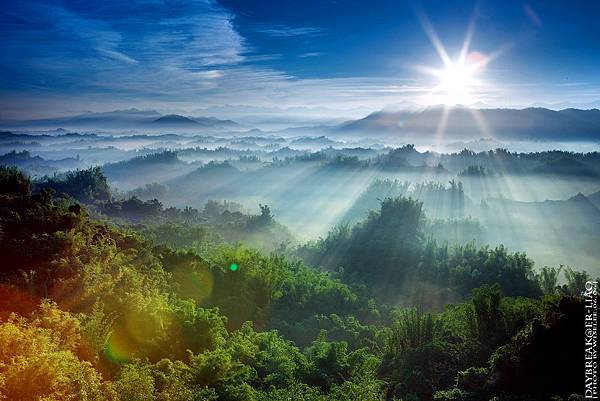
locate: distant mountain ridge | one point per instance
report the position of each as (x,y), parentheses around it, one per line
(174,119)
(124,119)
(462,122)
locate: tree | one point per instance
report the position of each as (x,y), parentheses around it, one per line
(411,329)
(39,360)
(575,282)
(87,185)
(486,302)
(548,279)
(13,181)
(135,383)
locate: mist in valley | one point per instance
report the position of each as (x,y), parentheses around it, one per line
(493,194)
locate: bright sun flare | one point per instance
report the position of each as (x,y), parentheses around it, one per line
(456,82)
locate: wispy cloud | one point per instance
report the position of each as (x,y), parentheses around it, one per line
(142,51)
(532,15)
(46,42)
(286,31)
(115,55)
(310,54)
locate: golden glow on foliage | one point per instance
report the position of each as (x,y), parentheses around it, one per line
(13,300)
(137,329)
(119,347)
(40,359)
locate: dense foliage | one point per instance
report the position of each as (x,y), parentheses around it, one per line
(91,311)
(389,253)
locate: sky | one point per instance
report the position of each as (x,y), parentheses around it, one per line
(310,56)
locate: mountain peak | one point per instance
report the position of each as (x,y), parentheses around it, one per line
(174,119)
(579,197)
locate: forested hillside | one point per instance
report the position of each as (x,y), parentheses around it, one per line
(95,305)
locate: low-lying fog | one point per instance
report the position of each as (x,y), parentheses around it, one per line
(526,196)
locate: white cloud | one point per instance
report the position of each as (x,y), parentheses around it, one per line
(286,31)
(115,55)
(310,54)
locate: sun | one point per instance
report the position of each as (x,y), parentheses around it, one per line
(459,80)
(456,83)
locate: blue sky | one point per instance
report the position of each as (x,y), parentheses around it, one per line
(64,57)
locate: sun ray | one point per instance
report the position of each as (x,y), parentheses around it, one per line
(434,38)
(464,51)
(482,124)
(441,128)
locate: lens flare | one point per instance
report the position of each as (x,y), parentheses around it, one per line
(119,348)
(194,282)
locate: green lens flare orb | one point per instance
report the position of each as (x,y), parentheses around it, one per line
(233,267)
